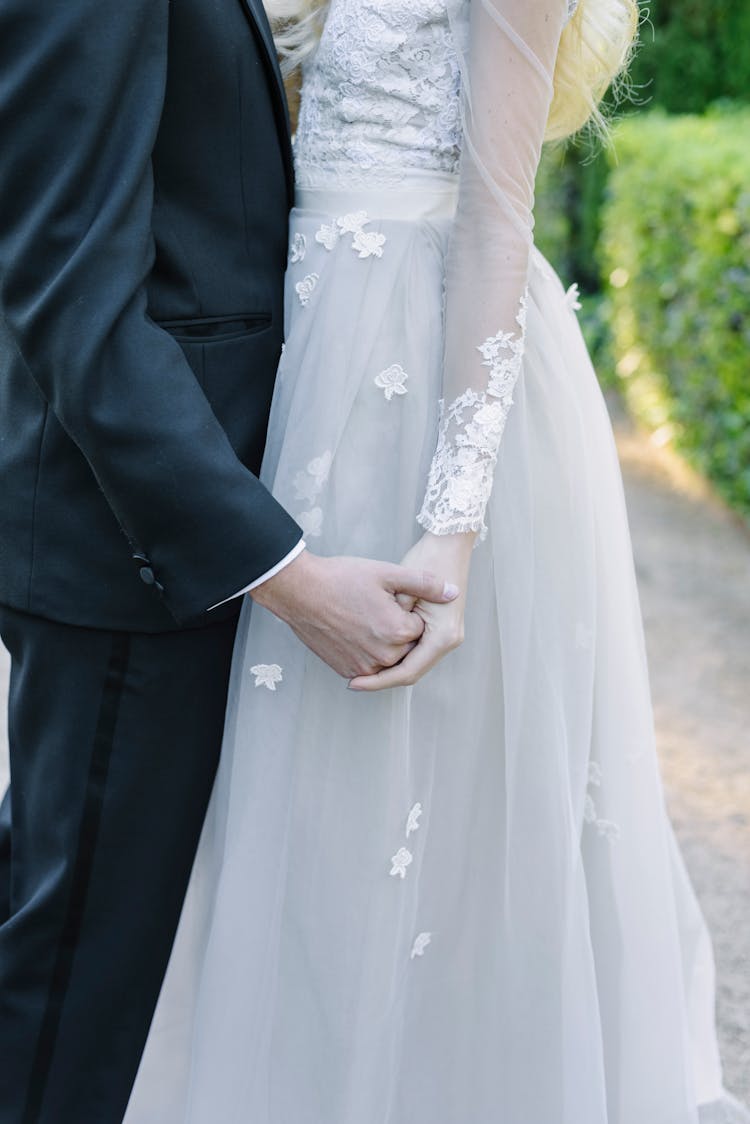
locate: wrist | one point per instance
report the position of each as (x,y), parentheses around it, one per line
(284,586)
(456,547)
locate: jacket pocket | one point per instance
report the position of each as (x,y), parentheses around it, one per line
(216,329)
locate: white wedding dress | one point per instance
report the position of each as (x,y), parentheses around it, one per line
(462,902)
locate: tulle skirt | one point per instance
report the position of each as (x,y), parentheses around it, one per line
(462,901)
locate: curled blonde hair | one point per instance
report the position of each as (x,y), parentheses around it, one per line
(595,49)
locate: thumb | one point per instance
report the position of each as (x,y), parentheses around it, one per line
(422,585)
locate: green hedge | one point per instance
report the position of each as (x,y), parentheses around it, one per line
(675,250)
(692,53)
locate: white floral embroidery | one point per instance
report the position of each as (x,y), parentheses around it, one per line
(608,829)
(298,249)
(328,235)
(595,773)
(365,243)
(308,484)
(267,675)
(305,487)
(420,944)
(304,288)
(368,243)
(412,823)
(572,297)
(400,861)
(320,466)
(353,223)
(392,381)
(469,435)
(503,354)
(381,96)
(311,522)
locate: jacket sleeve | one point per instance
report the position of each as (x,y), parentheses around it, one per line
(81,94)
(508,50)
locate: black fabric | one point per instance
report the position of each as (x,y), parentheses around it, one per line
(114,743)
(5,858)
(85,847)
(145,181)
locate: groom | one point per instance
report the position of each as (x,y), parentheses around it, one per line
(145,181)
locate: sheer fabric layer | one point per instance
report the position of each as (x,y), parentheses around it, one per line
(463,901)
(507,51)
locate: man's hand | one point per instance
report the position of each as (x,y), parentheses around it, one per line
(443,624)
(346,609)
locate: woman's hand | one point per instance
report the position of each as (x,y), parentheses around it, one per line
(450,556)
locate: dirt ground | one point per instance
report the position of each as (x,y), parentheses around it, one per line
(693,562)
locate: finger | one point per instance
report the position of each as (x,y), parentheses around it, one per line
(413,627)
(416,664)
(398,654)
(421,584)
(406,602)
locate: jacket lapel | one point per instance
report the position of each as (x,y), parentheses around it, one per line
(259,24)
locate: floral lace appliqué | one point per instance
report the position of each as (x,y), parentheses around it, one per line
(606,828)
(412,821)
(311,522)
(469,436)
(368,243)
(305,288)
(328,235)
(420,944)
(381,95)
(309,483)
(392,381)
(400,861)
(298,249)
(365,243)
(573,297)
(267,675)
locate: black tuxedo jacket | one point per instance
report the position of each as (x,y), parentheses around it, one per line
(145,183)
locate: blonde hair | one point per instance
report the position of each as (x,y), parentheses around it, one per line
(594,51)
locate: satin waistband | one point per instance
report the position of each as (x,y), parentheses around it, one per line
(428,196)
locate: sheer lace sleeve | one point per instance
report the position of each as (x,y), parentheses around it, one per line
(508,50)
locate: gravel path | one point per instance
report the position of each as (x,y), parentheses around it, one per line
(693,561)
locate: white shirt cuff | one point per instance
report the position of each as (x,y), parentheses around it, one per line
(293,553)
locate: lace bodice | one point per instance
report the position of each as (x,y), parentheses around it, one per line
(461,87)
(381,95)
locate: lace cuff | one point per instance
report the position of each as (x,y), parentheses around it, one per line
(471,428)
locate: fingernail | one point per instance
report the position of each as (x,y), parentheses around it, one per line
(451,591)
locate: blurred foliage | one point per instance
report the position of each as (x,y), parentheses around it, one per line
(668,204)
(675,250)
(693,53)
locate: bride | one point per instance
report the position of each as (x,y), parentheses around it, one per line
(461,900)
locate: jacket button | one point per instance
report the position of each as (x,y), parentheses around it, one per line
(147,575)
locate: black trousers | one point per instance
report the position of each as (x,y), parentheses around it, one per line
(114,743)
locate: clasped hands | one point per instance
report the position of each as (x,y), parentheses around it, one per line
(378,625)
